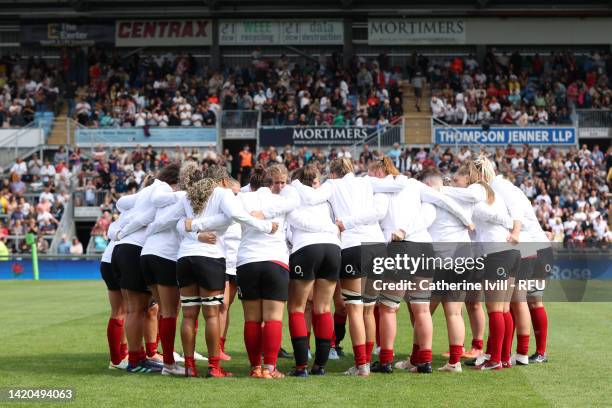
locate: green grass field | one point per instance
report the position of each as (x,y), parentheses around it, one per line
(54,335)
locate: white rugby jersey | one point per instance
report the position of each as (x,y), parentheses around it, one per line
(312,224)
(162,237)
(407,212)
(351,199)
(520,209)
(230,242)
(226,208)
(256,244)
(141,215)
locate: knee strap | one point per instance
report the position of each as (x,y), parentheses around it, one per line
(420,297)
(369,300)
(391,301)
(187,301)
(351,298)
(212,300)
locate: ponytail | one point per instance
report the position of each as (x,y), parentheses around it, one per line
(199,193)
(341,166)
(385,165)
(258,178)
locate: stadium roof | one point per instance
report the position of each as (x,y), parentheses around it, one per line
(307,8)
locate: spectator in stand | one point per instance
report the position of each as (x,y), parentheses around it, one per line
(64,246)
(76,248)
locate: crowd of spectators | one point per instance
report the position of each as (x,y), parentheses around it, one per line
(27,87)
(517,90)
(173,90)
(32,200)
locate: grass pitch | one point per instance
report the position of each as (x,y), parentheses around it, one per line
(54,335)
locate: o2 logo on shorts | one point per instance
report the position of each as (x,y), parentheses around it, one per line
(298,270)
(349,269)
(501,272)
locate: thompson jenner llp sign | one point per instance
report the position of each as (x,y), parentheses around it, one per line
(416,31)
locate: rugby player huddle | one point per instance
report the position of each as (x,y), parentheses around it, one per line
(190,240)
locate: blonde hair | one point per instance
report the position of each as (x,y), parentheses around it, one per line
(475,176)
(277,170)
(190,173)
(341,166)
(385,165)
(199,193)
(485,167)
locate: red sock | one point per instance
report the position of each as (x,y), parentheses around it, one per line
(477,344)
(456,351)
(252,342)
(360,354)
(151,349)
(213,362)
(323,325)
(222,344)
(167,332)
(424,356)
(124,350)
(508,337)
(369,346)
(135,357)
(297,325)
(414,354)
(522,344)
(497,328)
(299,338)
(514,320)
(385,356)
(540,328)
(376,319)
(114,332)
(272,337)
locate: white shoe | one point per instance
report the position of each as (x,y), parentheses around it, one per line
(404,365)
(483,358)
(376,351)
(178,358)
(333,354)
(173,369)
(197,356)
(121,366)
(451,368)
(519,359)
(363,370)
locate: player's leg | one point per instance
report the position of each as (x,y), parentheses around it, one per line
(299,290)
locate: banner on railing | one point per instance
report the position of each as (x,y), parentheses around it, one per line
(323,136)
(67,34)
(274,32)
(157,136)
(504,135)
(163,33)
(24,137)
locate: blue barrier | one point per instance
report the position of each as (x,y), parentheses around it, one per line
(157,136)
(79,269)
(504,135)
(51,269)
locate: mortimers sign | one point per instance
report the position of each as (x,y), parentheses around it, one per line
(416,31)
(162,33)
(313,135)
